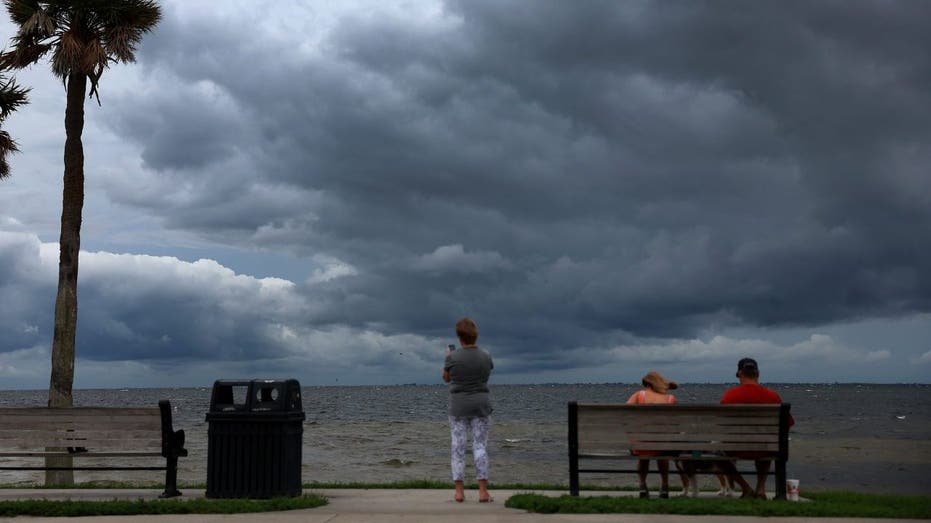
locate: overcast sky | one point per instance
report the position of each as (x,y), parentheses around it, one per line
(319,191)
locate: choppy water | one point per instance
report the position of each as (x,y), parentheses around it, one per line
(857,436)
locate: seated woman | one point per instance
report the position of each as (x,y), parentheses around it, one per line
(655,388)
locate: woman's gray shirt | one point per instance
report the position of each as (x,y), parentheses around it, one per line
(469,369)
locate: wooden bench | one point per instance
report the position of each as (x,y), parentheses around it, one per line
(708,432)
(93,432)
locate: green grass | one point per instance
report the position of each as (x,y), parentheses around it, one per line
(115,507)
(823,504)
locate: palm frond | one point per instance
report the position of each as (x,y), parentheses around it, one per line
(94,57)
(4,167)
(21,10)
(39,24)
(68,56)
(23,56)
(7,146)
(120,42)
(7,143)
(12,96)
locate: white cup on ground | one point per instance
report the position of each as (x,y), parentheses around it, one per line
(792,489)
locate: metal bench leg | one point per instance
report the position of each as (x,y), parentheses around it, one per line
(780,480)
(573,448)
(171,479)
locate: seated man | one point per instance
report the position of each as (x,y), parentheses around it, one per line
(750,391)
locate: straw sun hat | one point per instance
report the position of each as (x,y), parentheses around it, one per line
(658,383)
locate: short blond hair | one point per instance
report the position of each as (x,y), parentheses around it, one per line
(467,330)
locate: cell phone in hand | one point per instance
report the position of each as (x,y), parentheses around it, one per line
(451,347)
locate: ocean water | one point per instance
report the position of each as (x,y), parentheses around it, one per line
(863,437)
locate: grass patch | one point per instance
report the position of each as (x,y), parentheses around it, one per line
(823,504)
(46,508)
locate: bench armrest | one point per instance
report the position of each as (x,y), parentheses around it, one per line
(172,440)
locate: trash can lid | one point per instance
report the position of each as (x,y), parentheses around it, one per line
(256,395)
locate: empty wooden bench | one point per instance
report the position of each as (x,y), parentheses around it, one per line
(600,432)
(122,436)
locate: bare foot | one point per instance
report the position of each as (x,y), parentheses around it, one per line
(483,495)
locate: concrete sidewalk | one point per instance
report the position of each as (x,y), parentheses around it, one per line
(383,505)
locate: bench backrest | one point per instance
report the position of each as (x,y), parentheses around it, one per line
(615,429)
(98,429)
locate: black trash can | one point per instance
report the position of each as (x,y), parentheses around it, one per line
(254,439)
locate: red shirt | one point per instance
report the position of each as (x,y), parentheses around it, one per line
(752,393)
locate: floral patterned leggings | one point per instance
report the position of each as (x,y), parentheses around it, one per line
(459,427)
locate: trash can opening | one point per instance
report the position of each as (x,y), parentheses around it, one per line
(268,394)
(230,396)
(276,395)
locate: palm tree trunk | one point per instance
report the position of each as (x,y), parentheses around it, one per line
(66,303)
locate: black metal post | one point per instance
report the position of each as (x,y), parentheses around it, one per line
(573,448)
(171,479)
(783,450)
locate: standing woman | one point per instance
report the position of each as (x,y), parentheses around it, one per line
(466,370)
(655,390)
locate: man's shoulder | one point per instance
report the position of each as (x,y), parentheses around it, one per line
(750,393)
(732,395)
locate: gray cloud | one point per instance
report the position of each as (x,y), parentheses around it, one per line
(690,163)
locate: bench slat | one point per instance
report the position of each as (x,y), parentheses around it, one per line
(149,444)
(680,446)
(12,422)
(681,410)
(703,457)
(103,412)
(698,439)
(665,418)
(686,430)
(83,427)
(80,433)
(38,454)
(660,445)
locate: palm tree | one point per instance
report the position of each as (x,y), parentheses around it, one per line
(84,37)
(11,97)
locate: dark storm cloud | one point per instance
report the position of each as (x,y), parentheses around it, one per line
(24,295)
(611,170)
(179,138)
